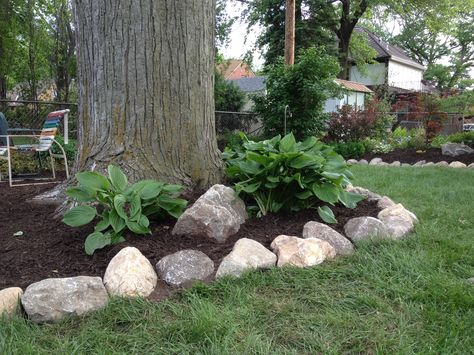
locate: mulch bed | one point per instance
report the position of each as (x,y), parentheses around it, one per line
(410,156)
(49,248)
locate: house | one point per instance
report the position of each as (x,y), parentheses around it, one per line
(354,94)
(393,67)
(233,69)
(251,86)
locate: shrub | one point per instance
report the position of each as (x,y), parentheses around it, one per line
(438,141)
(281,173)
(350,150)
(376,146)
(462,137)
(227,95)
(124,206)
(304,87)
(401,138)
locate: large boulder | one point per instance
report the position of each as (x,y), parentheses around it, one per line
(53,299)
(247,254)
(398,220)
(385,202)
(185,266)
(217,214)
(362,228)
(10,301)
(321,231)
(130,274)
(301,252)
(455,149)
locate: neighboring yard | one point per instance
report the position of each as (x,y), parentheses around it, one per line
(390,297)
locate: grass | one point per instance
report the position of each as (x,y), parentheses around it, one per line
(399,297)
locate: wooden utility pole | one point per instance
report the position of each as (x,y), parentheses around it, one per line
(290,33)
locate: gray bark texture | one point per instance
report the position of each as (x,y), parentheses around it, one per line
(146,96)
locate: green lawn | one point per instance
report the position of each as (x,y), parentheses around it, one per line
(390,297)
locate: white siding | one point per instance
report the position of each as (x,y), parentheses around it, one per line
(375,74)
(353,98)
(404,76)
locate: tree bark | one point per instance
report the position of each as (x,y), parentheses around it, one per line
(145,74)
(290,32)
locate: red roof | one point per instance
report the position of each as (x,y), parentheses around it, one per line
(353,86)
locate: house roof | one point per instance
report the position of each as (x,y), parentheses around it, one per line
(385,50)
(353,86)
(231,65)
(257,83)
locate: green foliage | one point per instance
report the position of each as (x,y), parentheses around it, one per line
(377,145)
(124,206)
(304,88)
(227,96)
(281,173)
(351,149)
(69,149)
(462,137)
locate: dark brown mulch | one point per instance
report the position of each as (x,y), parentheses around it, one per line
(48,248)
(410,156)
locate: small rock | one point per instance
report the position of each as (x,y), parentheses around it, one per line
(385,202)
(455,149)
(383,164)
(301,252)
(442,163)
(457,164)
(395,163)
(363,162)
(471,280)
(52,299)
(362,228)
(217,214)
(247,254)
(130,274)
(429,164)
(184,267)
(406,164)
(321,231)
(471,165)
(10,301)
(375,161)
(398,220)
(371,196)
(420,163)
(352,161)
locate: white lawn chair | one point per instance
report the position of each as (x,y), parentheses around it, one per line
(45,142)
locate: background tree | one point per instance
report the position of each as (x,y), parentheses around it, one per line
(227,95)
(146,89)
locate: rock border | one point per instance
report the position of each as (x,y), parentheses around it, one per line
(421,163)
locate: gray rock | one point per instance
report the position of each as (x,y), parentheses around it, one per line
(217,214)
(130,274)
(363,162)
(406,164)
(10,301)
(470,280)
(247,254)
(50,300)
(398,220)
(185,266)
(352,161)
(442,163)
(395,163)
(471,166)
(341,244)
(455,149)
(420,163)
(362,228)
(371,196)
(385,202)
(457,164)
(429,164)
(375,161)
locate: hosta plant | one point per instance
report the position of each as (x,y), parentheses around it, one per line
(281,173)
(122,206)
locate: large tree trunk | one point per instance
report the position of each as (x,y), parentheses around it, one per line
(145,72)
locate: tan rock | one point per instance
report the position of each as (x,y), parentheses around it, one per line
(398,220)
(321,231)
(301,252)
(10,300)
(385,202)
(130,274)
(457,164)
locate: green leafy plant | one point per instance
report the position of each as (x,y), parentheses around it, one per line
(462,137)
(281,173)
(350,150)
(124,206)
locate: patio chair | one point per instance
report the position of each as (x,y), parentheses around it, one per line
(45,141)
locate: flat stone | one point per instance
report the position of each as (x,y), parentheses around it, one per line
(217,214)
(442,163)
(398,220)
(301,252)
(10,301)
(50,300)
(130,274)
(362,228)
(457,164)
(363,162)
(184,267)
(352,161)
(375,161)
(429,164)
(420,163)
(395,163)
(321,231)
(247,254)
(455,149)
(385,202)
